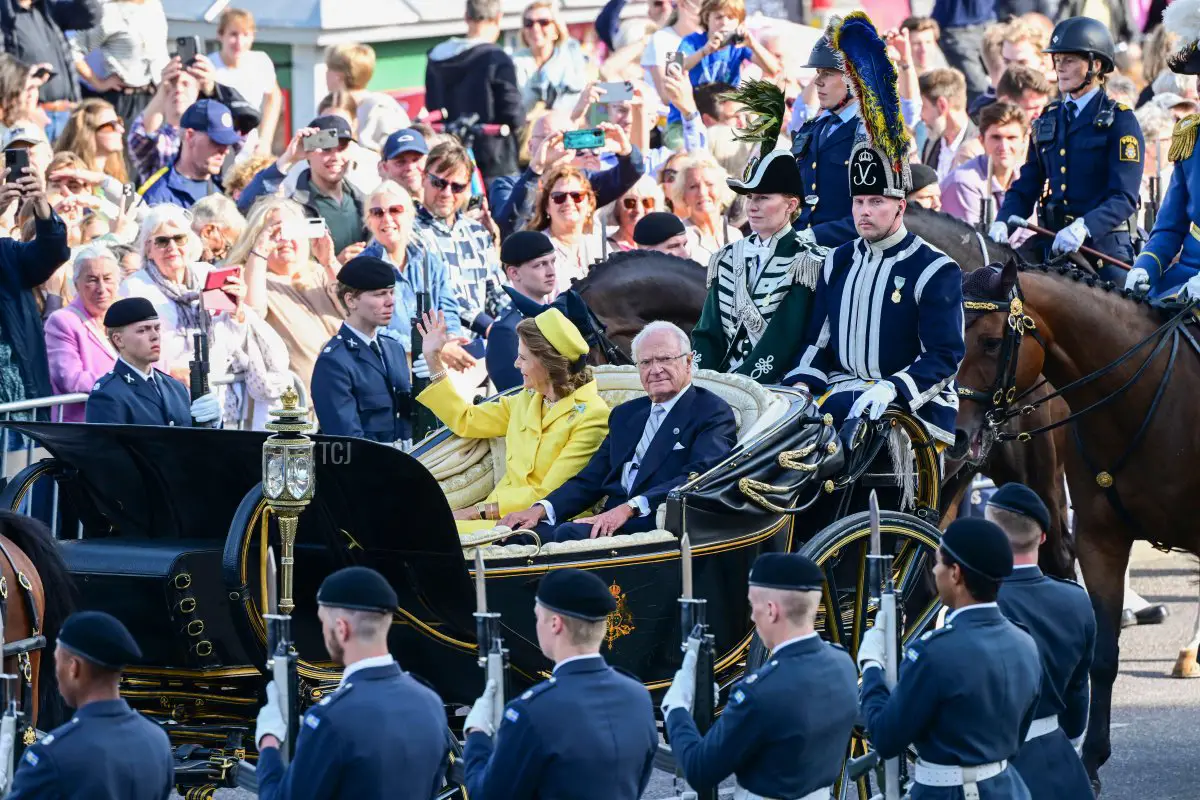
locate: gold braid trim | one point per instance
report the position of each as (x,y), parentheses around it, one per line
(1183,138)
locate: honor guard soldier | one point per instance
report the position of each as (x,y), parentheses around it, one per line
(107,751)
(529,264)
(1058,615)
(361,384)
(662,232)
(784,730)
(1084,166)
(382,733)
(587,733)
(967,691)
(760,287)
(822,149)
(887,323)
(135,392)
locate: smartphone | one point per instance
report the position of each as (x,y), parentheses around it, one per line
(616,91)
(16,159)
(676,58)
(307,228)
(187,48)
(586,139)
(214,298)
(475,203)
(44,74)
(321,140)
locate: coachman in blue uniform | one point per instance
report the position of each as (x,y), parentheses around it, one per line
(107,751)
(587,732)
(361,383)
(1084,166)
(968,691)
(1058,615)
(381,734)
(135,392)
(784,730)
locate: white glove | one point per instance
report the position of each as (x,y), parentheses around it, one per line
(420,368)
(270,718)
(1070,238)
(1191,289)
(998,233)
(873,647)
(483,712)
(682,693)
(1077,743)
(874,401)
(205,408)
(1137,280)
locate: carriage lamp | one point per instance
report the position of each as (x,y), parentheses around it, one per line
(288,481)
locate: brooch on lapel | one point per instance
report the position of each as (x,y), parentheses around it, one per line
(576,410)
(898,281)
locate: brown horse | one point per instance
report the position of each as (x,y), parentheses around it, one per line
(1130,374)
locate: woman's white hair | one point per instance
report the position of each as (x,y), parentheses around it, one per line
(217,209)
(164,214)
(94,252)
(685,344)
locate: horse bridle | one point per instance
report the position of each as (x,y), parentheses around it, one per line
(1003,393)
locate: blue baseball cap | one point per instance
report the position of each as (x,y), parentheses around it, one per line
(213,118)
(408,140)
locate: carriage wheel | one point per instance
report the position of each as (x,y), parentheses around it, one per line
(841,550)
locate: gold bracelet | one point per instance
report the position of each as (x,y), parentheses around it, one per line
(488,510)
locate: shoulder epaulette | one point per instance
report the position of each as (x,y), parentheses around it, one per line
(1183,138)
(538,690)
(1067,581)
(334,343)
(103,379)
(929,635)
(1122,107)
(1051,106)
(153,179)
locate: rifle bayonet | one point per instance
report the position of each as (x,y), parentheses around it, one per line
(883,591)
(493,658)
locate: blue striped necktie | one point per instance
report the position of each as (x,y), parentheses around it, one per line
(656,417)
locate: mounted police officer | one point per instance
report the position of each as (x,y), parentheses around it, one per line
(887,322)
(760,287)
(381,734)
(822,149)
(107,751)
(1084,166)
(587,733)
(361,384)
(136,392)
(1059,617)
(784,731)
(968,691)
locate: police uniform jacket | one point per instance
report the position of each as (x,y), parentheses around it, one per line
(587,733)
(1059,616)
(544,444)
(1175,234)
(783,732)
(357,394)
(888,311)
(107,751)
(966,696)
(168,186)
(123,397)
(381,734)
(501,355)
(1091,167)
(824,163)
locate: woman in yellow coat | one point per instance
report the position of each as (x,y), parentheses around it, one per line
(551,428)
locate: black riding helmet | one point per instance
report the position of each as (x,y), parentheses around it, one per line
(1084,36)
(823,57)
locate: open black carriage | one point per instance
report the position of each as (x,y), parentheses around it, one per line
(168,530)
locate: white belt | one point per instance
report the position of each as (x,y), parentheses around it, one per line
(740,793)
(1041,727)
(967,777)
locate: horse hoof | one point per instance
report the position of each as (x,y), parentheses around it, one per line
(1186,665)
(1096,786)
(1152,615)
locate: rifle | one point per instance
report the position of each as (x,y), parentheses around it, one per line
(693,618)
(281,662)
(198,366)
(1152,204)
(493,657)
(422,419)
(883,590)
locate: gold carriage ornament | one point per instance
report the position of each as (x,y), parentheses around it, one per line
(288,481)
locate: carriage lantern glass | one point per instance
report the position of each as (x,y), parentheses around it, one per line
(288,480)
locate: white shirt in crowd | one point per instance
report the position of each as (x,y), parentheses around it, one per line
(253,77)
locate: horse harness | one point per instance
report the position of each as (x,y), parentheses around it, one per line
(35,641)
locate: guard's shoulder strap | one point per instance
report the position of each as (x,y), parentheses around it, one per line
(1183,138)
(153,179)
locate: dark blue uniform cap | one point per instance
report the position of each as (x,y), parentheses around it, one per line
(1020,499)
(576,593)
(367,273)
(980,546)
(788,571)
(99,638)
(524,246)
(656,227)
(213,118)
(128,311)
(358,588)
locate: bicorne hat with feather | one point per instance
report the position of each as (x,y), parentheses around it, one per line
(1182,18)
(878,165)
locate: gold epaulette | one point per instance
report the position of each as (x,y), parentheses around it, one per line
(1183,138)
(1123,107)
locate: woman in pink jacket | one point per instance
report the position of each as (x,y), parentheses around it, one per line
(76,344)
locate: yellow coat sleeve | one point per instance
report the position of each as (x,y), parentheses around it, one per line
(482,421)
(583,442)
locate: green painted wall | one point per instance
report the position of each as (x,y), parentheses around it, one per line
(401,65)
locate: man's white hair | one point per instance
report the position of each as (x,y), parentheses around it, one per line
(685,344)
(93,252)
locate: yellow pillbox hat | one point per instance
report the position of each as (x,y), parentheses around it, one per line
(562,334)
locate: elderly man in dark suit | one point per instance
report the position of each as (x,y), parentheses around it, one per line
(653,444)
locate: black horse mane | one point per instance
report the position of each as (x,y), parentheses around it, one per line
(962,228)
(619,257)
(1079,276)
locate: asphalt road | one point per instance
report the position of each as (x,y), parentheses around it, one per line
(1156,718)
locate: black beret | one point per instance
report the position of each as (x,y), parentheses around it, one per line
(525,246)
(367,273)
(99,638)
(922,175)
(1020,499)
(358,588)
(656,227)
(576,593)
(128,311)
(980,546)
(788,571)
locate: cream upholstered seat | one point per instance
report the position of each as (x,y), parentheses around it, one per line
(468,469)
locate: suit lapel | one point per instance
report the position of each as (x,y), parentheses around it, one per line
(141,389)
(362,351)
(634,431)
(664,439)
(581,396)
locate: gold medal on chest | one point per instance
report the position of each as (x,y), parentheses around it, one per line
(898,282)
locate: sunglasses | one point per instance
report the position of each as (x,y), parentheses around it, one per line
(180,239)
(561,197)
(669,175)
(395,211)
(529,23)
(442,183)
(111,125)
(631,203)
